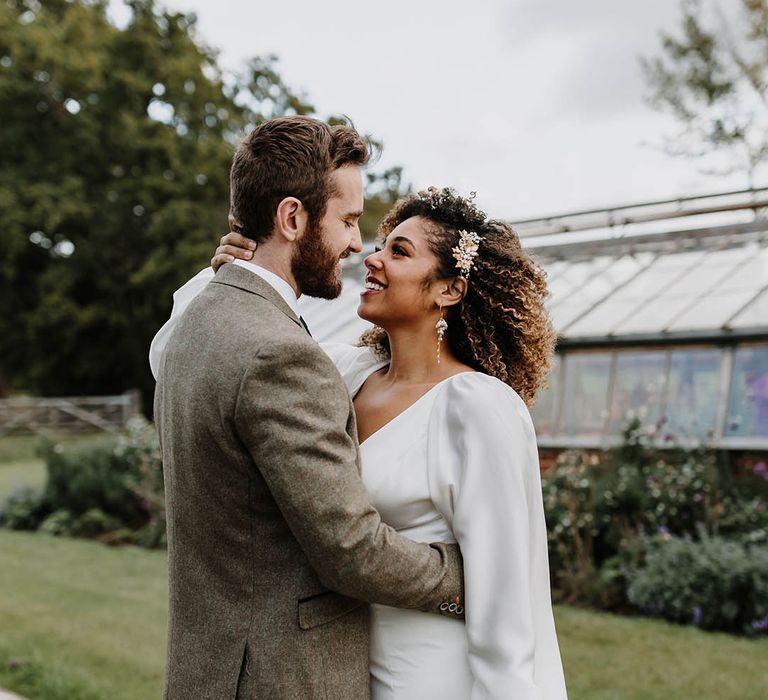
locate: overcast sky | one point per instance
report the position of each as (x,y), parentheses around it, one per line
(536,104)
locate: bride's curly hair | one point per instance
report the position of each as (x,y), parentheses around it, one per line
(501,327)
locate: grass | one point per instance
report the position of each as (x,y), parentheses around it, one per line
(611,657)
(23,472)
(88,623)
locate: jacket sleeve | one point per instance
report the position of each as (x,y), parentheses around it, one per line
(291,412)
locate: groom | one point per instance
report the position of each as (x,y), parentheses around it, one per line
(266,510)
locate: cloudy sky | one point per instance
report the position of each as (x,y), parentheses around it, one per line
(536,104)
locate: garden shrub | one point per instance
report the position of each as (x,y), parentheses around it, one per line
(599,510)
(95,477)
(111,491)
(714,583)
(94,522)
(140,446)
(57,523)
(23,509)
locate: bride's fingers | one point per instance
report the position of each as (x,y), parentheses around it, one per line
(226,254)
(234,251)
(236,240)
(218,260)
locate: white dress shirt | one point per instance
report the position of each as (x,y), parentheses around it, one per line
(275,281)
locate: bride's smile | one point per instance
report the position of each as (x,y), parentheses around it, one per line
(401,285)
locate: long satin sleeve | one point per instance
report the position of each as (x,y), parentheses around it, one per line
(181,300)
(484,478)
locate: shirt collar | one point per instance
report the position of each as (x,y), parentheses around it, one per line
(275,281)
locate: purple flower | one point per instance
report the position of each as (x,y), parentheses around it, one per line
(761,469)
(697,616)
(760,625)
(664,530)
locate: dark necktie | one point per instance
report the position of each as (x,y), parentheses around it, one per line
(306,327)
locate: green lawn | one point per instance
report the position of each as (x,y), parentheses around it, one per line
(88,623)
(91,619)
(23,472)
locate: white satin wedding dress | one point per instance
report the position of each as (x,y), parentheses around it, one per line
(459,465)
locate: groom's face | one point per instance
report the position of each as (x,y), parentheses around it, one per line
(316,264)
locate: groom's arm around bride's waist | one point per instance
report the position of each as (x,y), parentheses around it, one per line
(292,411)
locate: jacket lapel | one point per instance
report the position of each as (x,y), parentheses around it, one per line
(235,276)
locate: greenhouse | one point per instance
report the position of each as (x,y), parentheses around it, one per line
(662,314)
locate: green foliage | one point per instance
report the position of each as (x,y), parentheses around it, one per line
(599,511)
(114,161)
(113,182)
(383,190)
(23,509)
(80,480)
(57,523)
(92,523)
(714,583)
(712,77)
(140,446)
(109,490)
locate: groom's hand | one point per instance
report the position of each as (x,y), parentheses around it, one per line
(232,246)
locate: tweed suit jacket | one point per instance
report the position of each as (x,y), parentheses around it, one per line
(272,541)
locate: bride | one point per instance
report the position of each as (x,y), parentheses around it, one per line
(461,342)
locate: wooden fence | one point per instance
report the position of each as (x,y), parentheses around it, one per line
(75,414)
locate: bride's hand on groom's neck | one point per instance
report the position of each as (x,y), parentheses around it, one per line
(233,246)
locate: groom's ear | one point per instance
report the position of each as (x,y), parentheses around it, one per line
(234,224)
(290,219)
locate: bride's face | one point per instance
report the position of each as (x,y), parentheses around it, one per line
(400,285)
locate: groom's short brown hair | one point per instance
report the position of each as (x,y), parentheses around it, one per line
(289,157)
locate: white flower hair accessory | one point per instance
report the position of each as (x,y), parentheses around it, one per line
(469,241)
(466,252)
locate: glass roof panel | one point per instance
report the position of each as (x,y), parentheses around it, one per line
(751,274)
(568,307)
(573,278)
(754,314)
(654,315)
(710,312)
(605,315)
(602,319)
(712,269)
(661,301)
(737,276)
(554,269)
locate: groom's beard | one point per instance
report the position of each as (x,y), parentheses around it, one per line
(315,267)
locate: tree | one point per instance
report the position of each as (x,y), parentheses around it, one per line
(712,78)
(114,162)
(382,191)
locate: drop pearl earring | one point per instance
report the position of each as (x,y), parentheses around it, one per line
(441,326)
